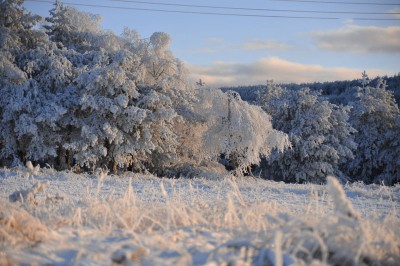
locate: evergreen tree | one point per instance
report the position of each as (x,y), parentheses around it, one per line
(73,29)
(23,65)
(129,94)
(375,115)
(319,132)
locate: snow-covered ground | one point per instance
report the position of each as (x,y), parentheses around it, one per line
(62,218)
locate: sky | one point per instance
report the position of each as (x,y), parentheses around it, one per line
(259,44)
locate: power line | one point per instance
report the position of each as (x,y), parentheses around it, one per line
(257,9)
(186,12)
(214,13)
(339,2)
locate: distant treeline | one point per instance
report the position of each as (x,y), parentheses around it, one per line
(335,90)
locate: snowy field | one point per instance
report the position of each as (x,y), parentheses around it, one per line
(62,218)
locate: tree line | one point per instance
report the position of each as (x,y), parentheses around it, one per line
(76,96)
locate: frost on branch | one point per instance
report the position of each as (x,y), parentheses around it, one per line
(28,195)
(342,205)
(376,117)
(160,40)
(241,132)
(32,170)
(18,226)
(319,132)
(72,28)
(16,27)
(87,96)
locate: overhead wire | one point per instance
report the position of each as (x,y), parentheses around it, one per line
(256,9)
(339,2)
(213,13)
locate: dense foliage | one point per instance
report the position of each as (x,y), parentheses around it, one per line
(319,131)
(355,141)
(376,117)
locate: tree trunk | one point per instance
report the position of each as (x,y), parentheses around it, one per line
(60,158)
(68,158)
(2,145)
(115,167)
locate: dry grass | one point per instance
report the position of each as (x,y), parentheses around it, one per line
(17,226)
(201,221)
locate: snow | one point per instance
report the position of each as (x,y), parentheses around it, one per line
(76,96)
(133,219)
(320,133)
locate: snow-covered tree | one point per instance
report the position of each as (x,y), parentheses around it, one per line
(120,124)
(29,108)
(16,27)
(16,36)
(376,115)
(365,79)
(390,157)
(240,132)
(319,132)
(131,92)
(29,124)
(119,101)
(33,109)
(72,28)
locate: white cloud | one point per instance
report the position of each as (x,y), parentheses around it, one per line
(216,45)
(264,45)
(359,39)
(233,74)
(205,50)
(215,40)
